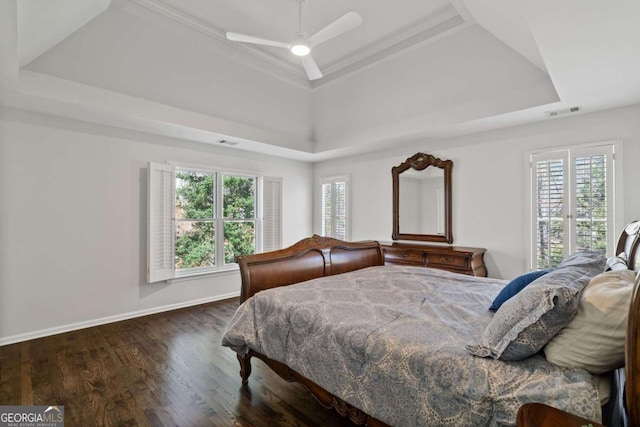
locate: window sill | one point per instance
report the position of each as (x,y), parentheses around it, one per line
(203,274)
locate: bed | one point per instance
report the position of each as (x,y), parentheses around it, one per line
(384,345)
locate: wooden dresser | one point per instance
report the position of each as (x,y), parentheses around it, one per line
(458,259)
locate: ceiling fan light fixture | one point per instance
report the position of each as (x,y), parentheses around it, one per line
(301,44)
(300,49)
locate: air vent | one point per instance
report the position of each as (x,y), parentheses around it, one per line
(225,142)
(561,112)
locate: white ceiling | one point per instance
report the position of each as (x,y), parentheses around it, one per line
(384,28)
(278,20)
(42,25)
(588,50)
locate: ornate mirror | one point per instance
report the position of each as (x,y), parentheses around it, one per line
(422,199)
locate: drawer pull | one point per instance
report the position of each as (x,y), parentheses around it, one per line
(446,259)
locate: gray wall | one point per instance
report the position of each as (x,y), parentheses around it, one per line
(73,223)
(489,181)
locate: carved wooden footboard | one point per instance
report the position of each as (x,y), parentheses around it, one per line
(326,399)
(308,259)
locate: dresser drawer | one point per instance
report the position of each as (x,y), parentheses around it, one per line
(403,256)
(448,260)
(457,259)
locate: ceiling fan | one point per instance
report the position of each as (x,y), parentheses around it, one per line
(301,45)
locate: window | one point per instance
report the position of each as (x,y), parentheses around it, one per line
(201,219)
(335,207)
(572,203)
(195,229)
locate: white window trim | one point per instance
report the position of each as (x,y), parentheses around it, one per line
(202,275)
(157,228)
(618,207)
(339,178)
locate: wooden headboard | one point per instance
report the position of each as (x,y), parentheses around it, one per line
(629,247)
(308,259)
(632,359)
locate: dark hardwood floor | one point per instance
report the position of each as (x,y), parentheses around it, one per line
(167,369)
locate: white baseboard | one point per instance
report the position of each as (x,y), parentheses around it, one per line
(110,319)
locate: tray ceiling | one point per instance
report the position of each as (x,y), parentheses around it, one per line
(413,69)
(385,30)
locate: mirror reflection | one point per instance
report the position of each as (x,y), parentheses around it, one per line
(422,199)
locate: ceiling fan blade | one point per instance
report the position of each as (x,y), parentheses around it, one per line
(255,40)
(345,23)
(310,66)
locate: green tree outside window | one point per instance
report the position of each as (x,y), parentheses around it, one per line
(198,221)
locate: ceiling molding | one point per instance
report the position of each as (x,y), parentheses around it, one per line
(462,10)
(370,53)
(446,27)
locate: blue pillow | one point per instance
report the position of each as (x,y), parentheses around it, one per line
(515,286)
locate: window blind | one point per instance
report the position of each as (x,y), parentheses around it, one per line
(550,196)
(272,214)
(160,222)
(591,202)
(335,207)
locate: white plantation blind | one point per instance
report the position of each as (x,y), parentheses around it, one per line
(335,207)
(592,212)
(272,214)
(160,222)
(572,201)
(340,210)
(550,193)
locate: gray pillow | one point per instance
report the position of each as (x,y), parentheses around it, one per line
(526,322)
(587,259)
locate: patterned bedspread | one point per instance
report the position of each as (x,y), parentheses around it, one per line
(391,341)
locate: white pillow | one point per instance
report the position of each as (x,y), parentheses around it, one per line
(594,338)
(617,263)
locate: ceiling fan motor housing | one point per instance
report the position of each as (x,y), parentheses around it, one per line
(300,46)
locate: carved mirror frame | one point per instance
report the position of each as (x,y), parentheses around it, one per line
(421,161)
